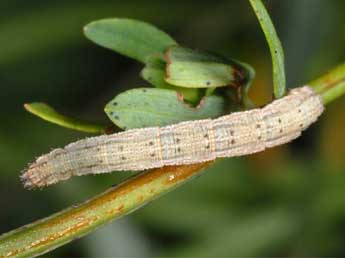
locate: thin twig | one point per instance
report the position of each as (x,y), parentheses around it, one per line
(331,85)
(47,234)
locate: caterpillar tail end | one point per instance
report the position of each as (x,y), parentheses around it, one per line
(35,177)
(30,179)
(26,181)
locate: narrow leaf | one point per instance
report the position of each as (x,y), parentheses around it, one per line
(195,69)
(132,38)
(47,113)
(145,107)
(276,49)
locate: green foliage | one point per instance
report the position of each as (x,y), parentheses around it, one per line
(154,73)
(196,69)
(49,114)
(135,39)
(144,107)
(167,66)
(276,49)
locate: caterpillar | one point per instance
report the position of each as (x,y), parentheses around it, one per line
(236,134)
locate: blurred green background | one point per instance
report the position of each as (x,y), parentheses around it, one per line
(288,201)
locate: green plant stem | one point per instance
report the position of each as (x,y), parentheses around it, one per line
(331,85)
(276,49)
(54,231)
(49,233)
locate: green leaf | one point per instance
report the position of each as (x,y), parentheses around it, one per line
(154,73)
(145,107)
(135,39)
(195,69)
(47,113)
(276,49)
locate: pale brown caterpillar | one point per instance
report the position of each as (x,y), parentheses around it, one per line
(237,134)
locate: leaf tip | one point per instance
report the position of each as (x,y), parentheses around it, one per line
(26,106)
(30,107)
(87,29)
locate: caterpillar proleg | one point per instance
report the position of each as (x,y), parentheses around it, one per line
(236,134)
